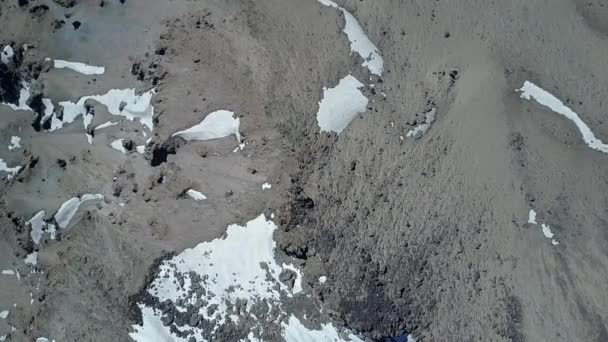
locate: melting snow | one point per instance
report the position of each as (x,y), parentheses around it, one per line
(197,196)
(69,208)
(15,143)
(266,186)
(7,54)
(117,145)
(530,90)
(11,171)
(217,124)
(340,105)
(359,42)
(79,67)
(532,217)
(422,128)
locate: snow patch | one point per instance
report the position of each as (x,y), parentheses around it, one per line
(532,217)
(31,259)
(69,208)
(8,272)
(422,128)
(106,124)
(340,105)
(117,145)
(297,284)
(266,186)
(119,102)
(37,226)
(197,196)
(152,329)
(79,67)
(530,90)
(141,149)
(359,42)
(322,279)
(4,314)
(24,96)
(10,171)
(15,143)
(549,234)
(295,331)
(215,125)
(6,56)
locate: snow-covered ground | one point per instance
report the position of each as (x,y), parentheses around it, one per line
(209,281)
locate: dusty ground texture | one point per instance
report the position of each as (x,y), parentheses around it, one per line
(427,236)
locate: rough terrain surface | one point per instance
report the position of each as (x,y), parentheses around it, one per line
(426,235)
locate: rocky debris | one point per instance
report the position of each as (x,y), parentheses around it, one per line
(67,3)
(161,151)
(152,72)
(10,84)
(39,11)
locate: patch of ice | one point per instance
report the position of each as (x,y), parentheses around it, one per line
(37,226)
(117,145)
(106,124)
(530,90)
(10,171)
(359,42)
(295,331)
(24,95)
(422,128)
(15,143)
(266,186)
(4,314)
(49,108)
(89,138)
(8,272)
(548,233)
(7,54)
(119,102)
(197,196)
(218,124)
(141,149)
(340,105)
(322,279)
(532,217)
(31,259)
(69,208)
(79,67)
(297,284)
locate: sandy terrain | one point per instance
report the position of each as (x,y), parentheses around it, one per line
(429,235)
